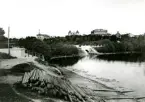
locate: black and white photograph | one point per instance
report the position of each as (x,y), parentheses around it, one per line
(72,51)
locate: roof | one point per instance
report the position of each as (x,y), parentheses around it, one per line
(100,30)
(43,35)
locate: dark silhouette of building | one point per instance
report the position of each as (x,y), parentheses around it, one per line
(73,33)
(101,32)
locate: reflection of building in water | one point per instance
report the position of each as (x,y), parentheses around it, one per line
(73,33)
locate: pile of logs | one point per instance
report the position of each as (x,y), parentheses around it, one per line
(41,82)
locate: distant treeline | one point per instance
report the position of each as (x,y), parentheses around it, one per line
(59,45)
(112,43)
(90,39)
(79,39)
(130,44)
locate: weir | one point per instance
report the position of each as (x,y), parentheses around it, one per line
(86,50)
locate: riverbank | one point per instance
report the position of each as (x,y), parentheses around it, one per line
(105,90)
(117,53)
(66,56)
(96,90)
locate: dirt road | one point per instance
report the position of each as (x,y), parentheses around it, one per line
(7,94)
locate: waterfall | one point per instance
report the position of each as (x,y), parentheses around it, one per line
(92,50)
(86,50)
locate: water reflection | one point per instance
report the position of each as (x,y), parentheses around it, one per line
(70,61)
(128,69)
(138,57)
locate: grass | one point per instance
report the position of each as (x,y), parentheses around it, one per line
(8,95)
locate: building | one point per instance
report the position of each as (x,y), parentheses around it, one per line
(77,32)
(131,35)
(42,36)
(118,35)
(73,33)
(69,33)
(99,32)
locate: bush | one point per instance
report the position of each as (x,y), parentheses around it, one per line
(48,50)
(63,50)
(5,56)
(41,62)
(108,46)
(22,68)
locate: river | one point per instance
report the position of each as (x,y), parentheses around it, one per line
(127,69)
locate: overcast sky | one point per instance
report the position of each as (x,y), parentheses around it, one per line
(57,17)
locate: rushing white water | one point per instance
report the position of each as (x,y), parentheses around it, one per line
(87,49)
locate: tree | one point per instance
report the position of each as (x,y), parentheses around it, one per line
(2,32)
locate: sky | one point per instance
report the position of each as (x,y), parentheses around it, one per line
(57,17)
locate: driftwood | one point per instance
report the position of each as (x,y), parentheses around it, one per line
(42,82)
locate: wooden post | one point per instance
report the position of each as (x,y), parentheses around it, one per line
(8,40)
(28,52)
(0,63)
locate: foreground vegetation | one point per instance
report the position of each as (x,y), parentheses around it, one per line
(5,56)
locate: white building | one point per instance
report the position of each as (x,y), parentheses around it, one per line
(118,35)
(15,52)
(42,36)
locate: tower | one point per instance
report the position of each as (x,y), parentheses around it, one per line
(39,31)
(69,33)
(77,32)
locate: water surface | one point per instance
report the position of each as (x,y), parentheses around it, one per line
(128,69)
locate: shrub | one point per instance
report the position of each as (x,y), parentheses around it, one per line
(6,56)
(22,68)
(63,50)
